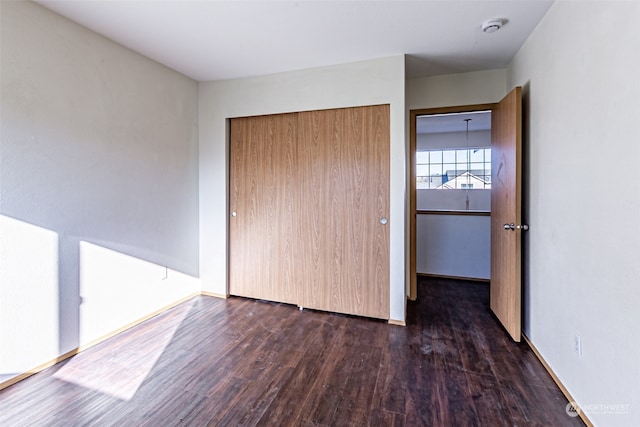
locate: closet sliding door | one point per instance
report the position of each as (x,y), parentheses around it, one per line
(264,191)
(345,179)
(310,205)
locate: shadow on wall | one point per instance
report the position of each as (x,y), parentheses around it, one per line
(59,293)
(99,165)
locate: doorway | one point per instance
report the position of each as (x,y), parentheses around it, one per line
(506,225)
(450,193)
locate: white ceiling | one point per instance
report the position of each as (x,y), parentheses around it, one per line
(214,40)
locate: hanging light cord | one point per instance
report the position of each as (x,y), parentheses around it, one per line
(468,164)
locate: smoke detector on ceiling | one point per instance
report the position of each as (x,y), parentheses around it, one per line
(492,25)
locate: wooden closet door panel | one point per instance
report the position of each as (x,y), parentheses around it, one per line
(375,206)
(344,157)
(264,188)
(314,130)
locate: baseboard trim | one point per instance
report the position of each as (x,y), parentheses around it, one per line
(555,378)
(444,276)
(397,322)
(38,368)
(77,350)
(214,294)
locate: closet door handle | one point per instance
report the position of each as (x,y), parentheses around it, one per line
(384,220)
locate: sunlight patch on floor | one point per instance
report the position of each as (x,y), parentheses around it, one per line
(120,373)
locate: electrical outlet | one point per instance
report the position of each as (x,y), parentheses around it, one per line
(577,345)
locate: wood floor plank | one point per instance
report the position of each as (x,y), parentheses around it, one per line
(253,363)
(292,397)
(391,382)
(327,388)
(361,380)
(456,403)
(250,403)
(350,417)
(382,417)
(487,400)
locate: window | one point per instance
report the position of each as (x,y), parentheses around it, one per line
(467,168)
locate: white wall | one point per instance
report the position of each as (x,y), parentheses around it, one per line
(479,87)
(579,72)
(454,245)
(363,83)
(99,186)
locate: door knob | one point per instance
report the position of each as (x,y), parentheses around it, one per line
(523,227)
(511,226)
(383,221)
(234,214)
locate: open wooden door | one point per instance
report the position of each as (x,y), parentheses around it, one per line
(506,212)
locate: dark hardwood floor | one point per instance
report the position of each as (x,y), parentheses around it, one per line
(244,362)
